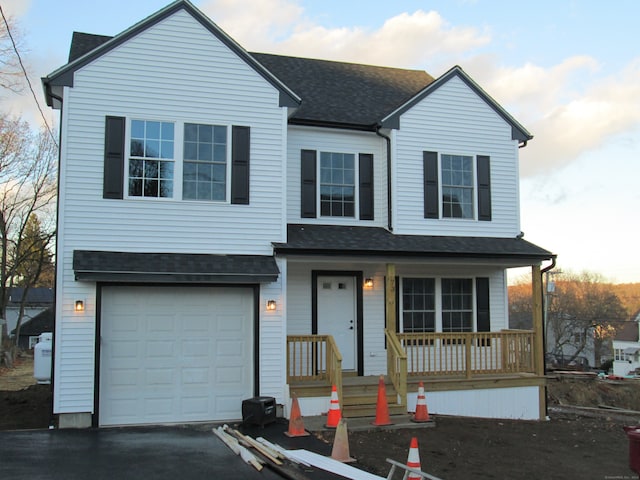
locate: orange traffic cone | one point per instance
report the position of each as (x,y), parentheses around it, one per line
(382,409)
(340,450)
(422,414)
(296,425)
(414,459)
(334,415)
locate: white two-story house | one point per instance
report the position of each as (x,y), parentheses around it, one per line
(235,224)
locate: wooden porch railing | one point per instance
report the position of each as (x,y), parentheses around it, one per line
(469,354)
(397,365)
(314,358)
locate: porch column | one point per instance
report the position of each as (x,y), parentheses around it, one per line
(536,307)
(390,295)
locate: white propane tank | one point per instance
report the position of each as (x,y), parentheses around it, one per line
(42,358)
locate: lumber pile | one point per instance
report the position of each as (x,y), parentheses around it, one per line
(260,453)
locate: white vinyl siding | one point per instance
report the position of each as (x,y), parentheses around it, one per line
(332,140)
(176,70)
(454,120)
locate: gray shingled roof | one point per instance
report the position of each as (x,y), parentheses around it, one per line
(346,94)
(375,241)
(173,267)
(627,332)
(35,296)
(42,322)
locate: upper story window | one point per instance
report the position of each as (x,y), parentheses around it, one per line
(205,162)
(457,186)
(151,161)
(337,184)
(175,160)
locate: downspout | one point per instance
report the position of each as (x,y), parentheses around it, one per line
(389,203)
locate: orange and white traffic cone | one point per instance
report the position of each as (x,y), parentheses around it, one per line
(340,450)
(422,413)
(413,461)
(382,408)
(296,425)
(334,415)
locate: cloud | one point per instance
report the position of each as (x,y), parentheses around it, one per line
(405,40)
(15,8)
(575,120)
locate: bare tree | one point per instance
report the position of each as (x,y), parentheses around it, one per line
(27,189)
(11,73)
(582,314)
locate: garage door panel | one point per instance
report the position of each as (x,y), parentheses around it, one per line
(191,358)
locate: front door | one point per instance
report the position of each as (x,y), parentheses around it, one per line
(336,297)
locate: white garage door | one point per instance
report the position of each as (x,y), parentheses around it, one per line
(175,354)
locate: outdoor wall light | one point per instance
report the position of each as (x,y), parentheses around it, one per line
(271,305)
(368,283)
(79,306)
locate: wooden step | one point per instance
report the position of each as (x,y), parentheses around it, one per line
(359,396)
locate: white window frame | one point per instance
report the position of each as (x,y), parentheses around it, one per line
(356,186)
(178,160)
(474,193)
(438,301)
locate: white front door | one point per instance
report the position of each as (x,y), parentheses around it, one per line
(337,315)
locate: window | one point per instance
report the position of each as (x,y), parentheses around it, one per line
(418,305)
(457,305)
(457,186)
(145,158)
(205,162)
(332,181)
(151,162)
(337,184)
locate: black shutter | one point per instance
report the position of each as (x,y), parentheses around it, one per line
(113,180)
(308,183)
(366,186)
(482,304)
(484,188)
(240,154)
(431,199)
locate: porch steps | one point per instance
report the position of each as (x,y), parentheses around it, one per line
(359,395)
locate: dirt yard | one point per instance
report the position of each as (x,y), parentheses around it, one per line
(574,444)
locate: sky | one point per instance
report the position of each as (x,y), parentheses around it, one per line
(568,70)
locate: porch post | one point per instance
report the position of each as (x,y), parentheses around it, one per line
(390,295)
(536,306)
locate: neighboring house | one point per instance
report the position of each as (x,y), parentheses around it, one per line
(626,348)
(235,224)
(30,331)
(38,300)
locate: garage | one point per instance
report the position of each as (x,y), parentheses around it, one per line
(172,354)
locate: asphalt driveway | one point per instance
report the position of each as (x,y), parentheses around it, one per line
(137,453)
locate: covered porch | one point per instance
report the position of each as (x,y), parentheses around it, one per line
(407,323)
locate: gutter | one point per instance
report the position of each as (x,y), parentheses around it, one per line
(389,203)
(544,332)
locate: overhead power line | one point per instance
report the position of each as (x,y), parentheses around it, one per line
(26,76)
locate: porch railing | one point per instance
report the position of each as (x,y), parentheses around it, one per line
(469,354)
(314,358)
(397,365)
